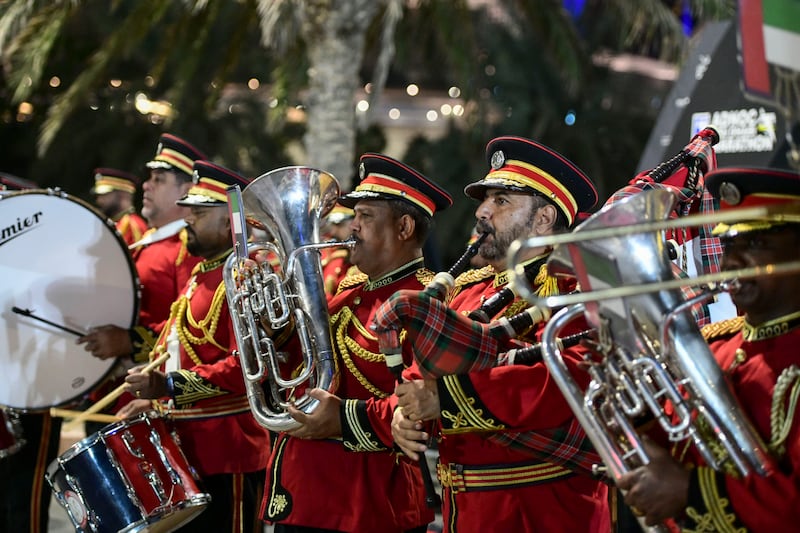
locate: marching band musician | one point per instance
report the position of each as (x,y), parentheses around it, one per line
(162,262)
(203,379)
(758,352)
(113,193)
(508,441)
(317,480)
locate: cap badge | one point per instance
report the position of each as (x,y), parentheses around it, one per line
(362,171)
(498,160)
(730,193)
(98,176)
(159,148)
(195,177)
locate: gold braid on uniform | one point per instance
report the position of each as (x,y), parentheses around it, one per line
(189,388)
(461,407)
(135,230)
(547,284)
(181,312)
(347,346)
(183,236)
(353,277)
(782,415)
(709,505)
(471,276)
(122,222)
(143,341)
(722,328)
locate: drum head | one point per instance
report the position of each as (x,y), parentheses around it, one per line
(64,262)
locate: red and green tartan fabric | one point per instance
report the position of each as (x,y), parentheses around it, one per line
(566,445)
(710,246)
(444,341)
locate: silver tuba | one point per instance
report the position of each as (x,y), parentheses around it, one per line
(288,204)
(650,348)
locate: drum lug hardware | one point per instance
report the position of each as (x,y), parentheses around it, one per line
(129,439)
(155,439)
(149,473)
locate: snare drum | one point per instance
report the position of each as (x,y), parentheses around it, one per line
(132,476)
(10,433)
(64,262)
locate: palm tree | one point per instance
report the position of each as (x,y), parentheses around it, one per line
(195,46)
(330,35)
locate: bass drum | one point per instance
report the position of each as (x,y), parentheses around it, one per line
(64,262)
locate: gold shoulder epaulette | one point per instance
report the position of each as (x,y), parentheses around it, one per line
(474,275)
(353,277)
(424,276)
(722,328)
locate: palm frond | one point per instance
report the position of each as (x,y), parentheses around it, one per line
(279,24)
(15,16)
(132,30)
(193,31)
(550,25)
(28,52)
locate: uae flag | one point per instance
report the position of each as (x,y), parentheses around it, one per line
(770,34)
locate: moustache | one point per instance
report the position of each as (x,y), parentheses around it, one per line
(483,227)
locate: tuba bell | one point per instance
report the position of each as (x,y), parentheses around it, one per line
(288,204)
(650,351)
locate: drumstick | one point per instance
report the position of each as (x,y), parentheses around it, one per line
(96,417)
(111,396)
(29,313)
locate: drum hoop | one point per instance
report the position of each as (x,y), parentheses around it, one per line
(134,276)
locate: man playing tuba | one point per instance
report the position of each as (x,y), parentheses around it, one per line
(318,479)
(758,351)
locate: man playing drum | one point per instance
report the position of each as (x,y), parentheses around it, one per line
(162,260)
(202,380)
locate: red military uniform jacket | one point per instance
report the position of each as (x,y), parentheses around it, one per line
(357,484)
(209,405)
(488,484)
(164,267)
(763,365)
(130,226)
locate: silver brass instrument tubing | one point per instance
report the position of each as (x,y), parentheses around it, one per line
(518,280)
(288,203)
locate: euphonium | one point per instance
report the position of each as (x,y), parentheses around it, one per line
(288,203)
(650,349)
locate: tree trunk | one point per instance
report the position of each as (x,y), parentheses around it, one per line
(335,33)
